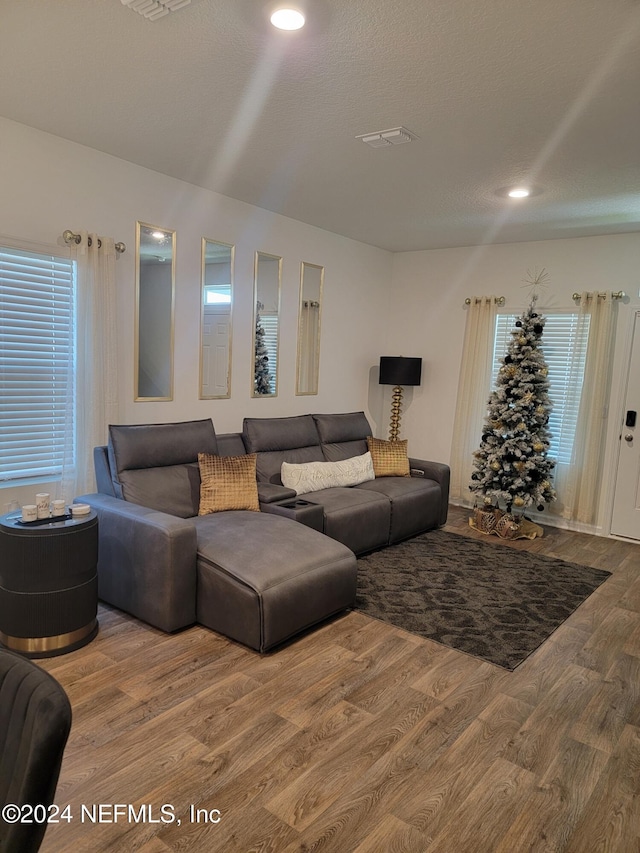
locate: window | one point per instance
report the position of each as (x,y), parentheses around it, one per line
(564,345)
(37,342)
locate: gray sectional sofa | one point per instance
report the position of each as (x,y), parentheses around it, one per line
(257,577)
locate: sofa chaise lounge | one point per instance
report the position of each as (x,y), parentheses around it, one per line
(256,577)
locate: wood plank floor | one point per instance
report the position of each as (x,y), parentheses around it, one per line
(360,738)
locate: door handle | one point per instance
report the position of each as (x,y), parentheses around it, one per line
(628,437)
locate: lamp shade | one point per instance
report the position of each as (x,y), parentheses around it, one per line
(397,370)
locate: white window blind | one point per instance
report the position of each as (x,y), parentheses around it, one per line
(564,345)
(270,326)
(37,335)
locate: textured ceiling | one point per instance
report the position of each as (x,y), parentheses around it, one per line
(497,92)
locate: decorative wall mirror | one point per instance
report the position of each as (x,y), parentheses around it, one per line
(155,295)
(311,283)
(215,325)
(266,311)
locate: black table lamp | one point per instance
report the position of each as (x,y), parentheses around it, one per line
(398,371)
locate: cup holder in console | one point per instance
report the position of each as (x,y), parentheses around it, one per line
(306,512)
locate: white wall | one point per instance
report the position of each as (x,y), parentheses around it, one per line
(49,184)
(429,290)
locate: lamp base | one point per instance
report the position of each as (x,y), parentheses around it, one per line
(396,413)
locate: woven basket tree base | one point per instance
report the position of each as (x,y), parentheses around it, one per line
(498,522)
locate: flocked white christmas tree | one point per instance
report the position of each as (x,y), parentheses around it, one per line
(511,468)
(262,375)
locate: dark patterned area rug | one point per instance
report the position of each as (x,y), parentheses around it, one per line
(486,599)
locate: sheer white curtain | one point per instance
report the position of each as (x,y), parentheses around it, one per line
(577,485)
(94,405)
(473,393)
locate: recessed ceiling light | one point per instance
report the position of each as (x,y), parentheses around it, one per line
(519,191)
(287,19)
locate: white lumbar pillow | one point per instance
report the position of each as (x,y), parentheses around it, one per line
(313,476)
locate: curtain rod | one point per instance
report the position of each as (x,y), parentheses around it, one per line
(619,295)
(69,237)
(499,300)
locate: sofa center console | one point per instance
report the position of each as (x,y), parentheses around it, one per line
(300,510)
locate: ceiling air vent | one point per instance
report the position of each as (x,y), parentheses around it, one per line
(154,9)
(383,138)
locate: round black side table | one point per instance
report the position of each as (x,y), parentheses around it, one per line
(48,584)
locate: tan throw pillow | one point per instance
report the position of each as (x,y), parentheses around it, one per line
(390,458)
(227,482)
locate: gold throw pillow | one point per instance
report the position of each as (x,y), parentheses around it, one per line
(390,458)
(227,482)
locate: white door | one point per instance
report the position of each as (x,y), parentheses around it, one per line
(215,350)
(626,505)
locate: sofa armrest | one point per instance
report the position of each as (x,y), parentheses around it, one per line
(269,493)
(103,471)
(439,472)
(146,562)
